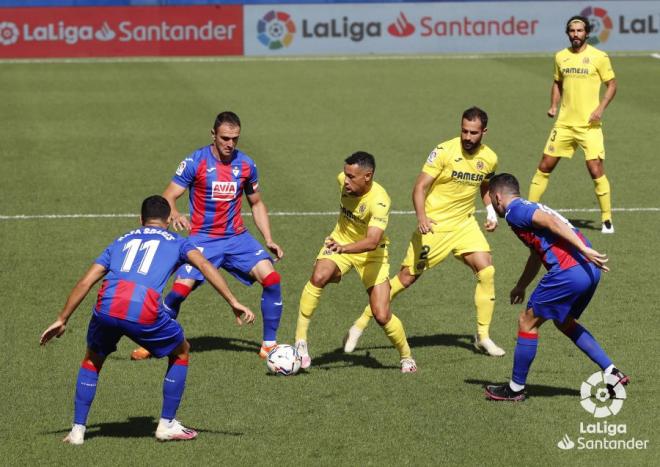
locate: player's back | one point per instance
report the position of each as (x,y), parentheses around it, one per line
(139,264)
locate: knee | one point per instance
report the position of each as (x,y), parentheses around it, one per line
(382,315)
(487,274)
(406,278)
(525,323)
(185,348)
(271,279)
(319,279)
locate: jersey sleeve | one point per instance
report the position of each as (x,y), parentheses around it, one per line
(604,67)
(493,167)
(341,177)
(185,173)
(104,258)
(435,162)
(557,73)
(186,247)
(380,212)
(520,215)
(252,184)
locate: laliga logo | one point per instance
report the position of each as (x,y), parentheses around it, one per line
(607,391)
(275,30)
(601,24)
(8,33)
(401,27)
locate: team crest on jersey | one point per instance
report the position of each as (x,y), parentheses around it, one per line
(432,157)
(235,171)
(362,208)
(181,168)
(224,191)
(585,60)
(480,165)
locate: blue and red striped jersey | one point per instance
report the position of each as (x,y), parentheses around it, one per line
(554,252)
(216,191)
(139,264)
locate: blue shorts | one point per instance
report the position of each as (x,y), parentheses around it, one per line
(565,292)
(159,338)
(237,255)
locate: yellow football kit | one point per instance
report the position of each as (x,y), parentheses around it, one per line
(357,214)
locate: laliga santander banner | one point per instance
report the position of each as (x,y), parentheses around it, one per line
(121,31)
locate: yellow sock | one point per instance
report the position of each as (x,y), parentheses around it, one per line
(397,336)
(309,300)
(396,287)
(602,189)
(484,299)
(538,186)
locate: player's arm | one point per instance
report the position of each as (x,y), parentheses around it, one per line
(491,215)
(243,314)
(260,216)
(173,192)
(77,295)
(610,92)
(422,185)
(532,267)
(543,220)
(369,243)
(555,98)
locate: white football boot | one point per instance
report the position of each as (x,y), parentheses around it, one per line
(305,359)
(408,365)
(173,430)
(607,228)
(351,338)
(76,435)
(487,345)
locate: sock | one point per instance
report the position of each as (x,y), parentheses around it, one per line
(88,377)
(602,190)
(484,300)
(309,300)
(523,356)
(397,336)
(173,386)
(516,387)
(396,287)
(271,305)
(174,299)
(609,369)
(588,344)
(538,186)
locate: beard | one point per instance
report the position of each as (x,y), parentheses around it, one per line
(577,42)
(469,146)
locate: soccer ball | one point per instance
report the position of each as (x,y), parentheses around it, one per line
(283,360)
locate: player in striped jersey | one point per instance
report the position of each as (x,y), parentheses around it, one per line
(136,267)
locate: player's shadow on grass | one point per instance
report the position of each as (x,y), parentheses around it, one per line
(584,224)
(207,343)
(534,390)
(329,360)
(436,340)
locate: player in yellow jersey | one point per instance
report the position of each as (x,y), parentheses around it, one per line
(443,197)
(579,71)
(357,241)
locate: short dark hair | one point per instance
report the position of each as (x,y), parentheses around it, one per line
(363,159)
(155,207)
(585,20)
(226,117)
(474,113)
(504,181)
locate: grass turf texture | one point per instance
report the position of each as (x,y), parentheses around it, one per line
(99,137)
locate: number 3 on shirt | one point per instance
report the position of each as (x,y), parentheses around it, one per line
(135,245)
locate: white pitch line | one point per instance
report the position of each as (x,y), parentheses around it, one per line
(656,56)
(19,217)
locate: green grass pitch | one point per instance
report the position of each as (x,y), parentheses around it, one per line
(96,138)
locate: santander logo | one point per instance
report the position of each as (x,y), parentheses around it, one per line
(401,27)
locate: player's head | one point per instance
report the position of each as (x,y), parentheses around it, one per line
(474,125)
(577,30)
(225,133)
(155,209)
(359,169)
(503,188)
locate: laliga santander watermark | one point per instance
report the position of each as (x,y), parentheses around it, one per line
(602,395)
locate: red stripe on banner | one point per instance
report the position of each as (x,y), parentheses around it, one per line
(527,335)
(121,31)
(149,311)
(121,299)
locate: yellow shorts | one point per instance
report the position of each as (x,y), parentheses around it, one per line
(563,141)
(428,250)
(373,267)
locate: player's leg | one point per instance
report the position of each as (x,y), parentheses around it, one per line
(541,178)
(523,356)
(271,303)
(325,271)
(560,143)
(594,151)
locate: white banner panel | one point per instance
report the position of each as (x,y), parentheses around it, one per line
(466,27)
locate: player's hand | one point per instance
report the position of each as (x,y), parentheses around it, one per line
(517,295)
(596,115)
(243,314)
(54,330)
(598,259)
(332,245)
(425,225)
(552,112)
(275,249)
(180,222)
(490,225)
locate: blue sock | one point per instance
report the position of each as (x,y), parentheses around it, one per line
(85,392)
(589,345)
(175,298)
(271,306)
(173,386)
(523,356)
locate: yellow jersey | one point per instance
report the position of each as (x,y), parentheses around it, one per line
(458,177)
(358,213)
(580,75)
